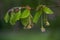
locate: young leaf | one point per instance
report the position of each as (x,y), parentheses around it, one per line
(6,18)
(25,13)
(12,20)
(17,15)
(47,10)
(25,21)
(37,16)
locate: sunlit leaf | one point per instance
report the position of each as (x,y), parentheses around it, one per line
(25,13)
(25,21)
(17,15)
(6,18)
(12,20)
(37,16)
(47,10)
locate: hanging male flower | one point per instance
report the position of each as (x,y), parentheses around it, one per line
(47,23)
(29,27)
(43,29)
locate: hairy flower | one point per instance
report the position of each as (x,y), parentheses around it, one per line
(47,23)
(43,29)
(29,27)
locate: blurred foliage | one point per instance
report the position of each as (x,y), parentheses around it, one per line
(28,34)
(7,4)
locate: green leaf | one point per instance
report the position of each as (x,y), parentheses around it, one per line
(6,18)
(25,13)
(17,15)
(25,21)
(12,20)
(47,10)
(37,16)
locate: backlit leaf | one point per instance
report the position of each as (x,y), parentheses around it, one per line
(17,15)
(12,20)
(25,21)
(37,16)
(6,18)
(47,10)
(25,13)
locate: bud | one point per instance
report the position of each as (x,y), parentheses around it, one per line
(47,23)
(43,29)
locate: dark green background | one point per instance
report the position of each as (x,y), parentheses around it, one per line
(8,32)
